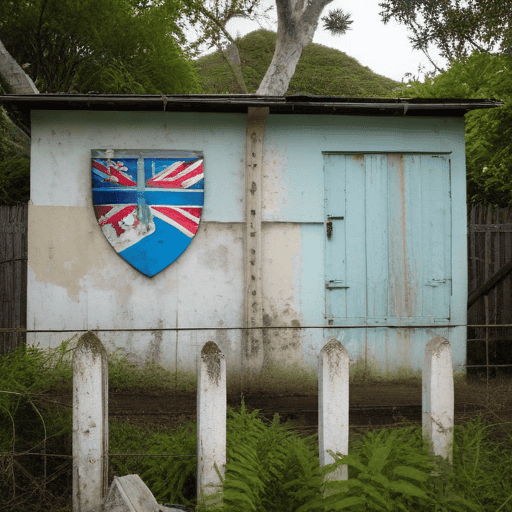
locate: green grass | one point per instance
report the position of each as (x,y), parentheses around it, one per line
(320,71)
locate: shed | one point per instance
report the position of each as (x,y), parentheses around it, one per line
(323,217)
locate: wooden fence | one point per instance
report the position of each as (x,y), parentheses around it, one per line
(13,275)
(489,348)
(90,414)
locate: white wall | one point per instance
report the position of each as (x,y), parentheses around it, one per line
(77,281)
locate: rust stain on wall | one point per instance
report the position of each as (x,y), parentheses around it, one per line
(403,301)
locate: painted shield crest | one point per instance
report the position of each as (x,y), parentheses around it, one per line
(148,203)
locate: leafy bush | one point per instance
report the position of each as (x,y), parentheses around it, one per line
(29,424)
(488,131)
(15,180)
(24,374)
(172,479)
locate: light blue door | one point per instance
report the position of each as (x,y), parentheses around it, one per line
(388,239)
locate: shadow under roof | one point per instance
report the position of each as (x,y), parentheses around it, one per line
(239,103)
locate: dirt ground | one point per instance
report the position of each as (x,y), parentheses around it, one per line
(372,405)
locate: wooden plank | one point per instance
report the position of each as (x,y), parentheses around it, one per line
(437,247)
(336,280)
(472,282)
(501,228)
(399,287)
(506,306)
(253,307)
(355,226)
(13,271)
(377,207)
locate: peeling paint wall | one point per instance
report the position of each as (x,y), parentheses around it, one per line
(77,281)
(282,268)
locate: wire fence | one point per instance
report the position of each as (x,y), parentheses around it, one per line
(489,346)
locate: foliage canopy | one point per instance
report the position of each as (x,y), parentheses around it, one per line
(108,46)
(456,27)
(488,132)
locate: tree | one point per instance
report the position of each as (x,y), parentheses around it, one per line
(110,46)
(297,21)
(456,27)
(210,19)
(488,132)
(12,77)
(14,142)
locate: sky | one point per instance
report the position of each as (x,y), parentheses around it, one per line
(385,49)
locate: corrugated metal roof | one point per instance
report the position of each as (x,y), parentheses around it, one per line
(297,104)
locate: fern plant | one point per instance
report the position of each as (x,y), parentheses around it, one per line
(268,466)
(392,470)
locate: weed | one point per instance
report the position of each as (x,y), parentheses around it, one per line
(171,474)
(125,374)
(276,378)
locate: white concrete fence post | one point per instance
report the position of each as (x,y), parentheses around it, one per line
(438,397)
(333,392)
(90,424)
(211,420)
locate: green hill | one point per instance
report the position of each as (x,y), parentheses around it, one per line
(321,70)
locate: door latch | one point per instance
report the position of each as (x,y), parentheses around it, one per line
(328,225)
(335,283)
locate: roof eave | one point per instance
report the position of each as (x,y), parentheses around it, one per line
(300,104)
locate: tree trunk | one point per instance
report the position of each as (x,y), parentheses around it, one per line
(296,25)
(232,57)
(12,76)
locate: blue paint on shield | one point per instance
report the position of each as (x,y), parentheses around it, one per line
(152,253)
(148,203)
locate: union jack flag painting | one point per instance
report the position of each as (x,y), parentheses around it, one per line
(148,203)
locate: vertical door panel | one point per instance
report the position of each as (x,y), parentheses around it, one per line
(388,259)
(335,243)
(405,243)
(437,228)
(355,228)
(377,237)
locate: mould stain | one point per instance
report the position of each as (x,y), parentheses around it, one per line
(334,351)
(211,357)
(281,345)
(154,354)
(89,342)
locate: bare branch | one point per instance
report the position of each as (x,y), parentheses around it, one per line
(14,79)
